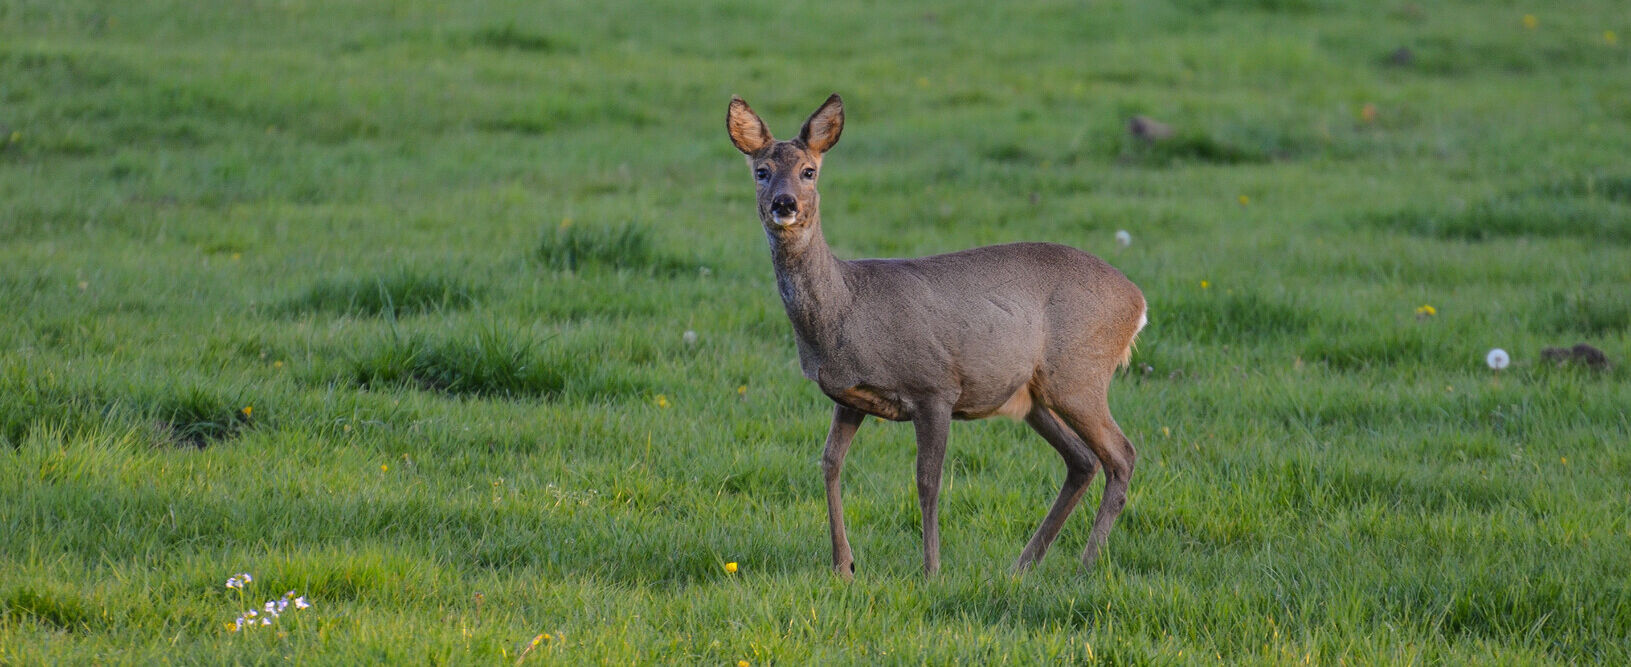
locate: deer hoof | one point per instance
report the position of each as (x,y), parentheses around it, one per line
(845,571)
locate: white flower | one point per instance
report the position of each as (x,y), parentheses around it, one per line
(301,603)
(245,576)
(232,582)
(1123,238)
(266,621)
(690,337)
(251,613)
(1497,359)
(271,608)
(289,595)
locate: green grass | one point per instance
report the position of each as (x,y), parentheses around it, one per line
(386,304)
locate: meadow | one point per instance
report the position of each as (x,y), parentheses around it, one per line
(386,304)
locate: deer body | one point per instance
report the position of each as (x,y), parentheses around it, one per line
(1032,331)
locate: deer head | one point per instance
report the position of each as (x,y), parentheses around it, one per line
(786,171)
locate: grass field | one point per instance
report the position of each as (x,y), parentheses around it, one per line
(386,303)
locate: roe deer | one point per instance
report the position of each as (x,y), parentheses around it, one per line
(1030,331)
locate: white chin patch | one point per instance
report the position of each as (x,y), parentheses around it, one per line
(785,220)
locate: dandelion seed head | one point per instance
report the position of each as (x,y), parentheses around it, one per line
(690,337)
(1123,238)
(1497,359)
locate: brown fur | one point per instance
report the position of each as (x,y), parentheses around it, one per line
(1031,330)
(1581,353)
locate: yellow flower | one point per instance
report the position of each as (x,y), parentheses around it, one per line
(248,409)
(1426,311)
(742,390)
(1530,22)
(1244,200)
(923,82)
(743,663)
(383,467)
(1205,285)
(1367,113)
(731,567)
(566,222)
(1610,38)
(277,364)
(662,401)
(1166,432)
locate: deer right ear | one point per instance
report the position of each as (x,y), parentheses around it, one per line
(748,132)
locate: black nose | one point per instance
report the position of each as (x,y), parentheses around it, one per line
(784,204)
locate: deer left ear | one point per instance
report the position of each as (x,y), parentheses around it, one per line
(821,131)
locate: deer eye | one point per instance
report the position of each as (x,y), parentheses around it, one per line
(809,173)
(761,173)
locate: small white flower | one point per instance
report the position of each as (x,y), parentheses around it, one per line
(301,603)
(282,605)
(289,595)
(1497,359)
(690,337)
(251,613)
(266,621)
(1123,238)
(245,576)
(271,608)
(232,582)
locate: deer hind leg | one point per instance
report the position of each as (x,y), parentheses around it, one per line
(1080,466)
(1090,418)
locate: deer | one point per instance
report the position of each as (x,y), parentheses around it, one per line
(1029,331)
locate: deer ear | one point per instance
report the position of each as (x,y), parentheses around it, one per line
(748,132)
(821,131)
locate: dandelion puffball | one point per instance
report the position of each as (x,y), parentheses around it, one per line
(1123,238)
(1497,359)
(690,337)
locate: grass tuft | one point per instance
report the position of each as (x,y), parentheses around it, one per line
(396,294)
(493,362)
(622,246)
(1586,218)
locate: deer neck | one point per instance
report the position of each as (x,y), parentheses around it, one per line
(812,284)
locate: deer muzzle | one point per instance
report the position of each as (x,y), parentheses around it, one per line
(784,209)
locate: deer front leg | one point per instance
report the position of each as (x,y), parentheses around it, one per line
(844,423)
(932,424)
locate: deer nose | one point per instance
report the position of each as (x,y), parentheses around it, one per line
(784,204)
